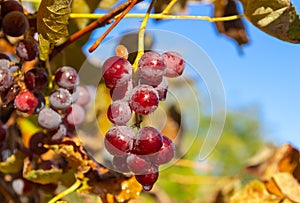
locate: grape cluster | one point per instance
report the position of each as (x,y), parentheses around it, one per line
(139,93)
(67,104)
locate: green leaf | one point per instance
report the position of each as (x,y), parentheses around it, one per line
(13,164)
(44,176)
(52,21)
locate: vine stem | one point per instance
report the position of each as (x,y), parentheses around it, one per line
(141,36)
(66,192)
(115,23)
(161,16)
(169,6)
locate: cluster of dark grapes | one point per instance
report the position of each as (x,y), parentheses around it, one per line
(139,92)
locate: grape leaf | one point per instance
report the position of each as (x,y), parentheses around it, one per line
(13,164)
(107,4)
(52,21)
(277,18)
(179,6)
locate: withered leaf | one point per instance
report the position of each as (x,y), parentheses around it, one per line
(273,188)
(179,6)
(277,18)
(234,29)
(52,21)
(288,185)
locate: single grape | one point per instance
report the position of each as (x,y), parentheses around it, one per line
(4,60)
(149,178)
(116,72)
(3,133)
(144,99)
(26,49)
(49,119)
(151,66)
(15,24)
(122,51)
(119,140)
(166,152)
(9,6)
(26,101)
(162,89)
(41,102)
(75,115)
(84,96)
(137,164)
(119,112)
(67,77)
(122,92)
(120,164)
(175,64)
(36,79)
(11,94)
(36,143)
(60,99)
(149,140)
(6,79)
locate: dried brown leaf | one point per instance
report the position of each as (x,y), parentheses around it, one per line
(234,29)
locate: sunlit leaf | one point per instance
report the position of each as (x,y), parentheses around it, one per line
(275,17)
(130,189)
(52,21)
(107,4)
(13,164)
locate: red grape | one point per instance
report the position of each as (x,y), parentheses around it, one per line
(36,79)
(166,152)
(152,66)
(26,101)
(76,115)
(84,96)
(148,141)
(60,99)
(66,77)
(116,72)
(119,140)
(144,99)
(119,112)
(6,79)
(4,59)
(122,92)
(137,164)
(26,50)
(49,119)
(175,64)
(149,178)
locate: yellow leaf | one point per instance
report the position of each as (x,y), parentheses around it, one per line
(130,189)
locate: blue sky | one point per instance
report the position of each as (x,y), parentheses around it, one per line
(266,75)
